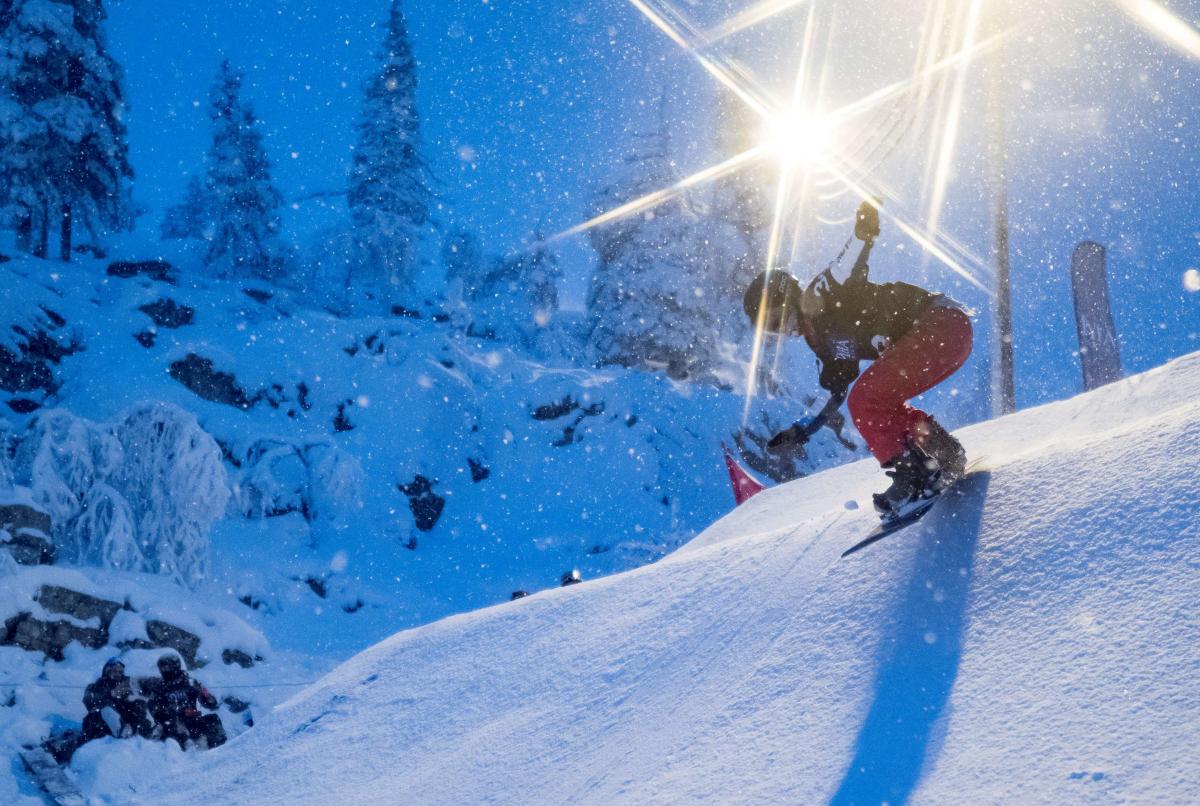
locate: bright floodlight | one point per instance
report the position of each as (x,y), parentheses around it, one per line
(798,137)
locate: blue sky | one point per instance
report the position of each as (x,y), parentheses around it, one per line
(527,104)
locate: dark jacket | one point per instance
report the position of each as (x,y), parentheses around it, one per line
(106,693)
(117,695)
(178,696)
(845,323)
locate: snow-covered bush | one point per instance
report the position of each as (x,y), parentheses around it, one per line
(141,494)
(315,479)
(66,457)
(176,485)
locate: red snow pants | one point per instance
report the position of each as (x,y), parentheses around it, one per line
(938,344)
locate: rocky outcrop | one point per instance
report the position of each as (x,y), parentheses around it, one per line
(88,620)
(168,313)
(159,270)
(198,374)
(25,533)
(426,505)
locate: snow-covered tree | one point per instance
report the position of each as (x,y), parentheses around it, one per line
(389,194)
(192,217)
(518,297)
(174,481)
(462,257)
(63,156)
(316,479)
(742,198)
(140,495)
(649,303)
(243,236)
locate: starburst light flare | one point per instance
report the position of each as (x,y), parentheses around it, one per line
(1160,22)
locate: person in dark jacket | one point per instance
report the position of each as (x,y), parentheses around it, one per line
(112,708)
(916,339)
(175,702)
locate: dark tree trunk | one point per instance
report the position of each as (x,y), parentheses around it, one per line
(25,231)
(64,242)
(42,246)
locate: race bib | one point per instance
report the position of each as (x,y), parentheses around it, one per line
(843,348)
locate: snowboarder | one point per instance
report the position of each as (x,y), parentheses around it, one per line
(175,702)
(112,708)
(916,339)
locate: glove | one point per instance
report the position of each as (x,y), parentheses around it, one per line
(794,435)
(866,222)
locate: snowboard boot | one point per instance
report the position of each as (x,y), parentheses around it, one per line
(943,448)
(916,478)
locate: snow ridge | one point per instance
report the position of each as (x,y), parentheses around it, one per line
(1032,640)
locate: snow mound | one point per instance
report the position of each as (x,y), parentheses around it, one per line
(1031,640)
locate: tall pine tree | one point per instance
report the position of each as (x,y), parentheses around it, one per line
(242,202)
(648,303)
(389,194)
(63,156)
(191,218)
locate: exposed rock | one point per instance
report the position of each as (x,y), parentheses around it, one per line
(146,338)
(197,373)
(154,269)
(19,519)
(235,705)
(28,548)
(49,637)
(479,471)
(426,505)
(57,599)
(341,423)
(552,411)
(18,374)
(168,313)
(168,636)
(408,313)
(28,369)
(258,295)
(237,656)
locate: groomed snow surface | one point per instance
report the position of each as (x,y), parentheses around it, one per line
(1034,639)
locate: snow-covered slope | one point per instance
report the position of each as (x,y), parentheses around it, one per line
(1034,639)
(335,433)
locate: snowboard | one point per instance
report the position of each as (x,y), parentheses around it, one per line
(51,778)
(884,529)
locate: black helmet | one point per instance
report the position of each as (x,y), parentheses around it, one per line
(169,665)
(780,291)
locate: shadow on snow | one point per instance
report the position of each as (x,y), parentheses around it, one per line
(919,655)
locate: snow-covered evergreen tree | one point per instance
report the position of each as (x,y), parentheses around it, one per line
(744,197)
(242,202)
(389,194)
(192,217)
(462,258)
(63,156)
(738,217)
(518,297)
(649,303)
